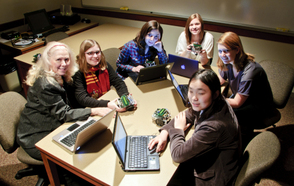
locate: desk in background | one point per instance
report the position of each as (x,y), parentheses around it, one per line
(107,35)
(73,29)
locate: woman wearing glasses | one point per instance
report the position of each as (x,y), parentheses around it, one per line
(95,77)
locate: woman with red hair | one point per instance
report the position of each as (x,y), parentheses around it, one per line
(252,98)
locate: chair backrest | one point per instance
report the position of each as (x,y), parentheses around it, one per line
(56,36)
(11,106)
(281,79)
(111,56)
(259,155)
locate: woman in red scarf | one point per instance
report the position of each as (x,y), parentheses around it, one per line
(95,76)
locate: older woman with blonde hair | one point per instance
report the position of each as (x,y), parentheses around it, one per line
(194,33)
(95,77)
(252,98)
(47,105)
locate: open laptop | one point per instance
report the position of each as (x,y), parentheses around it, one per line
(183,66)
(181,89)
(79,133)
(150,74)
(126,151)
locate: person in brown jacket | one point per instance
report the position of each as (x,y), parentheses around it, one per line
(211,155)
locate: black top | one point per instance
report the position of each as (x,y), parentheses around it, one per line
(46,109)
(214,149)
(85,100)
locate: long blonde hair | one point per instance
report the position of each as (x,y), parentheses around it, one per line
(43,67)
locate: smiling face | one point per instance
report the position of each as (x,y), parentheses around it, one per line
(199,95)
(60,60)
(226,55)
(152,37)
(93,55)
(195,26)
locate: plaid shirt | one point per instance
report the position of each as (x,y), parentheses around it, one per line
(129,57)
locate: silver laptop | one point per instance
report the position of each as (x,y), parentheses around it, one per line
(150,74)
(133,151)
(183,66)
(79,133)
(181,89)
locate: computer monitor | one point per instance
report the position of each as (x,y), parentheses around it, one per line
(38,21)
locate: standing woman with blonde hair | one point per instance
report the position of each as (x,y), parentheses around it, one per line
(252,98)
(194,33)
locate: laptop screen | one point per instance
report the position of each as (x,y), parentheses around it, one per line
(38,21)
(120,139)
(175,83)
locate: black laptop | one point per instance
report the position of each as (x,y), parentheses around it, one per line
(150,74)
(181,89)
(133,151)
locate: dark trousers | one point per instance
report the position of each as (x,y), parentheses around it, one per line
(183,176)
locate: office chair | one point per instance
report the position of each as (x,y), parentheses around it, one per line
(56,37)
(281,79)
(111,55)
(11,106)
(260,154)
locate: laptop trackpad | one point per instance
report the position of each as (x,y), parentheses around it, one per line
(153,162)
(73,127)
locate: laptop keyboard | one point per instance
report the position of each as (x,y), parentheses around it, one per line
(138,152)
(71,138)
(184,89)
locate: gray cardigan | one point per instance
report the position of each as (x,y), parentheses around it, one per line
(46,109)
(214,148)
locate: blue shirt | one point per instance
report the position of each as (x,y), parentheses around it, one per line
(252,82)
(129,57)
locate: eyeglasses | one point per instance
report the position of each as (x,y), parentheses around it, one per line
(92,53)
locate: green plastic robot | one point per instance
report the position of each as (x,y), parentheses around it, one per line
(126,101)
(161,116)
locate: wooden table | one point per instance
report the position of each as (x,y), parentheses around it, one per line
(73,29)
(97,161)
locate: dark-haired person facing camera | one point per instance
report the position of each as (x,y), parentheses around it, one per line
(145,47)
(211,155)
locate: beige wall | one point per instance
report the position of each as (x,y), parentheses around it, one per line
(262,49)
(12,10)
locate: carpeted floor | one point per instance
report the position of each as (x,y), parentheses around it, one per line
(281,174)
